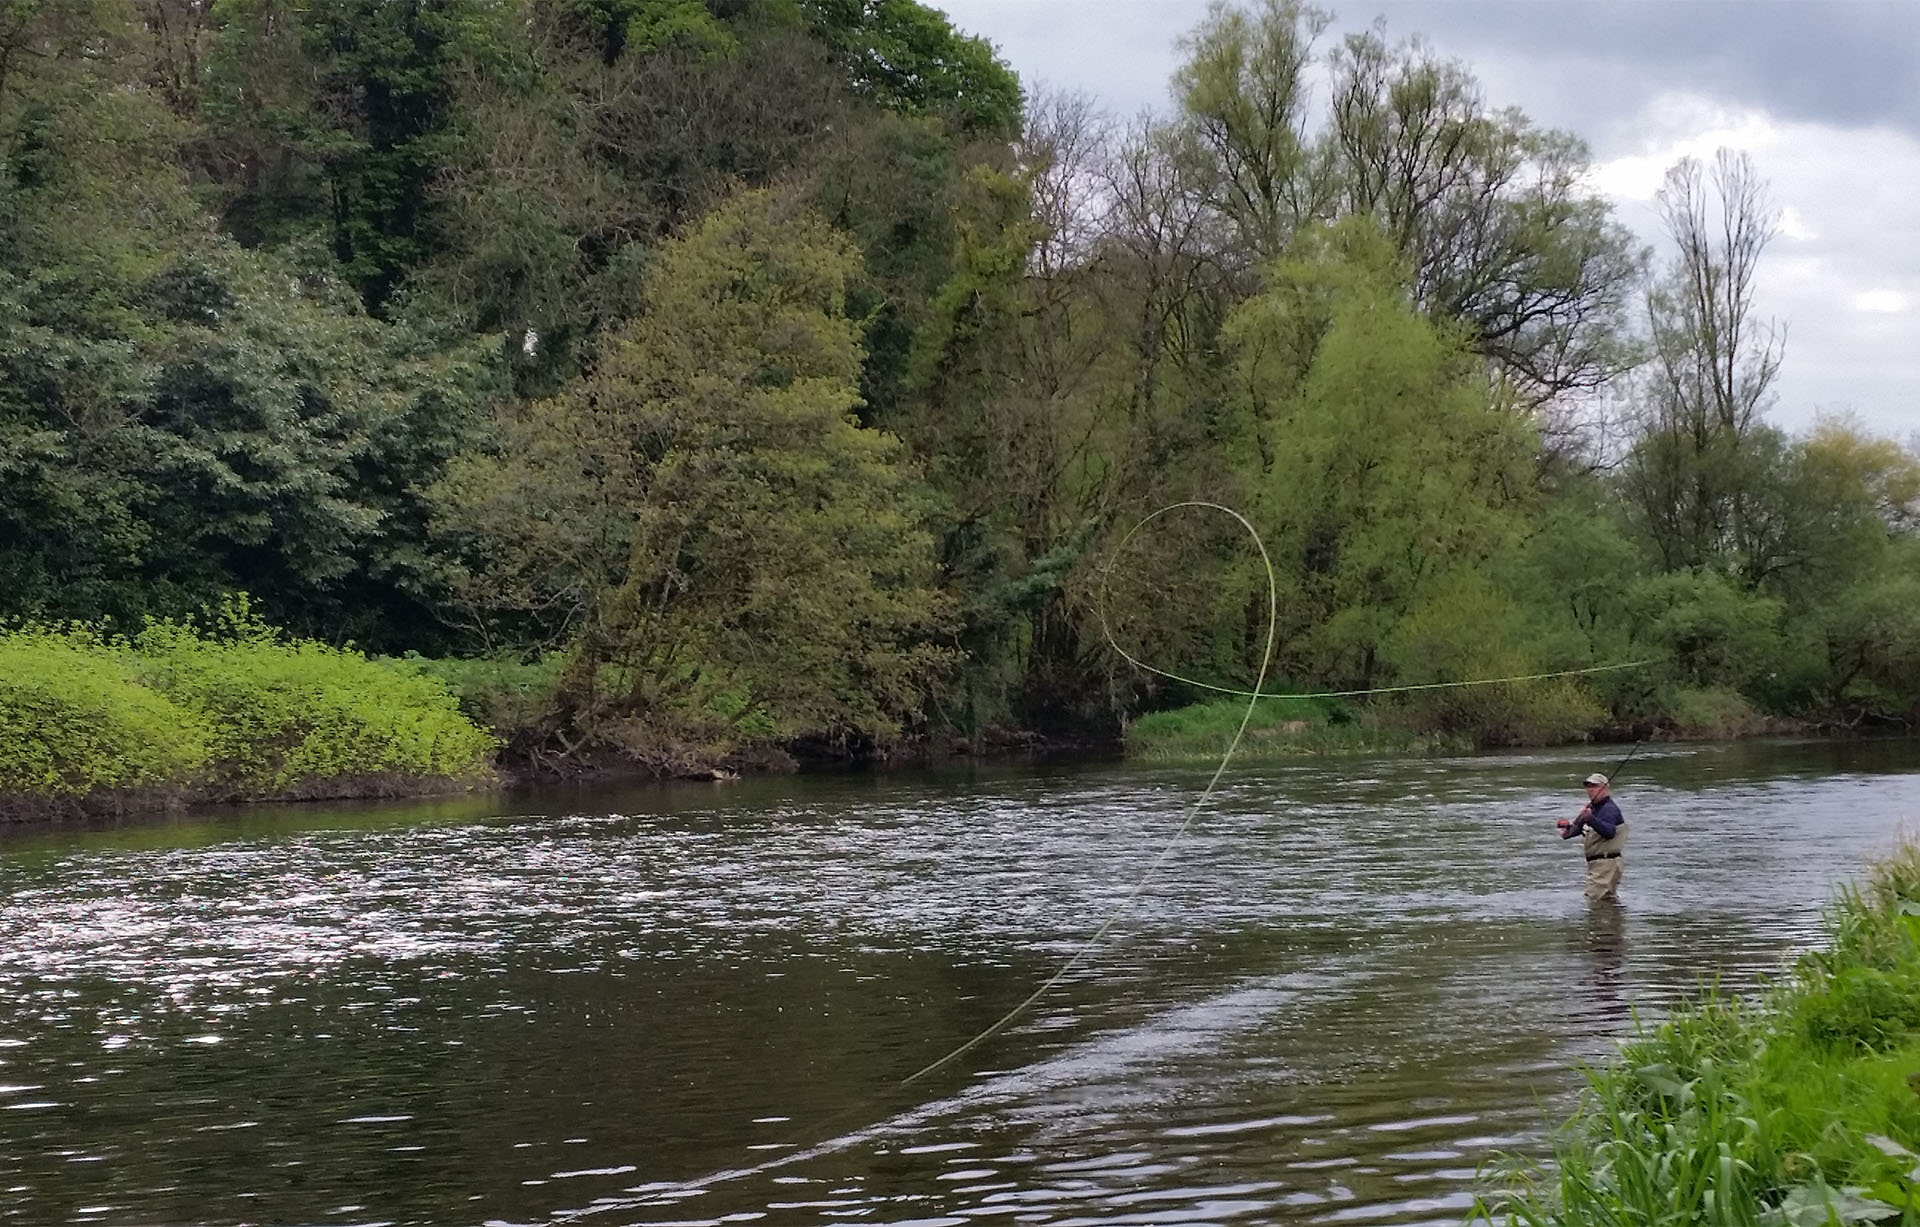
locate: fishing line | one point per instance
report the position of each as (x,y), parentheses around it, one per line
(1253,698)
(1146,878)
(1193,811)
(1079,956)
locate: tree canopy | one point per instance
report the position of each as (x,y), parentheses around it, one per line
(783,372)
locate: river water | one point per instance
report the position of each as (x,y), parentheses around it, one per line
(1350,985)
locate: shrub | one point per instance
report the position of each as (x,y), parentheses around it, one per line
(503,695)
(74,720)
(1718,635)
(1713,712)
(1466,630)
(281,714)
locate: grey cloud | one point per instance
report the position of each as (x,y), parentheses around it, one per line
(1845,64)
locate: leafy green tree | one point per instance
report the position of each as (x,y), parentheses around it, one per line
(244,439)
(1242,96)
(178,417)
(1493,217)
(1824,506)
(574,164)
(909,57)
(743,559)
(619,26)
(337,117)
(1378,462)
(1717,633)
(1871,631)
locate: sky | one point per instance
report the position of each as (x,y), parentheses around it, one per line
(1823,95)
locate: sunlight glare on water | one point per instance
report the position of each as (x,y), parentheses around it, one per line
(1350,986)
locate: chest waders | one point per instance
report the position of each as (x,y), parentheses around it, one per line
(1604,861)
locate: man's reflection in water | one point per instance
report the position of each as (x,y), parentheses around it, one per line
(1607,952)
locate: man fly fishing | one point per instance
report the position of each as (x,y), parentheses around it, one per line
(1603,834)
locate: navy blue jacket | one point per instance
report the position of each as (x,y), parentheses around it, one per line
(1603,816)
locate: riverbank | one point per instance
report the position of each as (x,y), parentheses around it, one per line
(176,716)
(1798,1107)
(1555,713)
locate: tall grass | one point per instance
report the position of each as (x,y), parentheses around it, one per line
(1798,1109)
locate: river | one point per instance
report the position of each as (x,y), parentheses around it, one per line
(1349,986)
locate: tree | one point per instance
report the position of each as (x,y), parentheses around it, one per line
(741,556)
(907,57)
(1242,101)
(337,117)
(1700,459)
(1491,213)
(1872,636)
(179,417)
(1378,463)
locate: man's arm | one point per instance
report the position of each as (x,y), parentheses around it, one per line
(1606,819)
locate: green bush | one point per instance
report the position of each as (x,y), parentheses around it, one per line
(1468,629)
(500,694)
(1549,711)
(243,713)
(73,719)
(1712,712)
(1717,634)
(286,714)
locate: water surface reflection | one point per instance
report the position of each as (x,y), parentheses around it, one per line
(1347,987)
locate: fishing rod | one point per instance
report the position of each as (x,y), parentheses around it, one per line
(1615,773)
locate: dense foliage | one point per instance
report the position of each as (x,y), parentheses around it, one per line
(775,372)
(233,712)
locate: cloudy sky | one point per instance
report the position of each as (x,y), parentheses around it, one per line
(1823,94)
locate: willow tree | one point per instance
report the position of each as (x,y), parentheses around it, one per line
(1243,99)
(738,556)
(1381,468)
(1493,216)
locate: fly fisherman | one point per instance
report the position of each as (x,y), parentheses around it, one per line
(1603,834)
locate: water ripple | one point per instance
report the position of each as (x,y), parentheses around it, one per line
(1350,986)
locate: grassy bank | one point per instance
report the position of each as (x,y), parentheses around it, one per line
(1280,728)
(1451,720)
(177,714)
(1797,1109)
